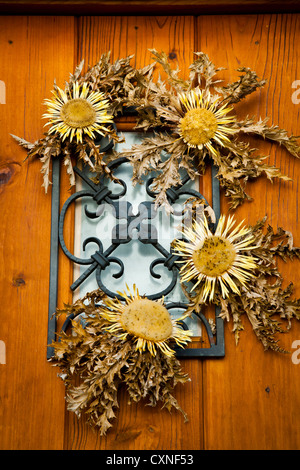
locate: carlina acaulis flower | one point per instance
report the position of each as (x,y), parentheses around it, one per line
(216,261)
(204,121)
(129,342)
(78,112)
(147,322)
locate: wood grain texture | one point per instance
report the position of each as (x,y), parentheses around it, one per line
(251,398)
(33,52)
(124,36)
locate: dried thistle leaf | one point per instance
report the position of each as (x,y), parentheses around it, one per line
(24,143)
(203,70)
(166,168)
(240,165)
(172,74)
(273,133)
(247,84)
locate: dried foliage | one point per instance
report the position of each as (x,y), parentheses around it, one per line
(265,303)
(117,81)
(159,110)
(167,154)
(95,363)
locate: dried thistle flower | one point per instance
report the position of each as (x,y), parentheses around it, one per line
(252,291)
(148,321)
(100,94)
(220,259)
(203,122)
(83,112)
(126,342)
(192,128)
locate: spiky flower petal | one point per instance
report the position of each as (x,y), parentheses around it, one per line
(147,321)
(218,260)
(84,112)
(204,122)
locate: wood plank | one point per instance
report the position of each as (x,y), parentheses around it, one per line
(139,426)
(124,36)
(34,51)
(251,398)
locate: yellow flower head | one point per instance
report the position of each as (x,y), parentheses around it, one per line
(204,122)
(85,112)
(216,259)
(147,321)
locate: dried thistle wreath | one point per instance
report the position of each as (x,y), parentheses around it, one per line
(128,342)
(133,342)
(81,114)
(194,124)
(235,268)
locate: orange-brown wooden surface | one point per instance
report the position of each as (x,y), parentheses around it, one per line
(251,397)
(34,50)
(247,400)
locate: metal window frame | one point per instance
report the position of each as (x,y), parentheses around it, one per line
(101,260)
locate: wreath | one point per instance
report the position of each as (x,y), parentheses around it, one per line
(133,341)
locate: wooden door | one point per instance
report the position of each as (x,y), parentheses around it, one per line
(250,398)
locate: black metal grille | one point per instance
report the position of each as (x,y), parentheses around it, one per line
(142,222)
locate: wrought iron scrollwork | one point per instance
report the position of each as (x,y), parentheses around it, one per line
(139,223)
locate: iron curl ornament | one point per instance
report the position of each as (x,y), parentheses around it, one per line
(186,125)
(142,224)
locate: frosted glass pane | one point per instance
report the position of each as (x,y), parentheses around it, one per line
(135,255)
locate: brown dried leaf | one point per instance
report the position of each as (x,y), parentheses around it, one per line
(273,133)
(247,84)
